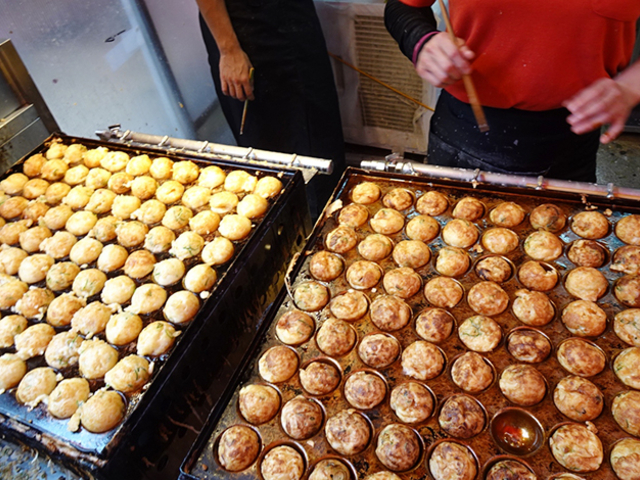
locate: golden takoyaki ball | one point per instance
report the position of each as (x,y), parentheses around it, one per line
(80,223)
(329,469)
(487,298)
(590,225)
(387,221)
(452,261)
(75,153)
(33,165)
(85,251)
(177,217)
(97,178)
(54,170)
(434,324)
(239,181)
(294,327)
(150,212)
(500,240)
(131,234)
(461,416)
(587,253)
(76,175)
(402,282)
(103,411)
(105,229)
(117,290)
(341,239)
(422,360)
(548,217)
(62,351)
(480,334)
(62,309)
(168,272)
(147,298)
(252,206)
(543,245)
(94,156)
(472,372)
(375,247)
(411,253)
(508,468)
(584,318)
(12,369)
(626,325)
(625,260)
(11,326)
(301,418)
(170,192)
(139,264)
(120,183)
(78,197)
(220,250)
(586,283)
(11,292)
(577,448)
(234,227)
(268,187)
(14,183)
(223,202)
(10,232)
(494,269)
(101,201)
(325,266)
(34,340)
(124,205)
(390,313)
(364,390)
(460,233)
(423,228)
(97,357)
(625,409)
(161,168)
(625,367)
(628,228)
(56,192)
(627,290)
(432,203)
(625,459)
(533,308)
(88,283)
(159,239)
(469,208)
(187,245)
(348,432)
(36,385)
(538,276)
(411,402)
(200,278)
(398,199)
(353,215)
(363,274)
(205,222)
(34,303)
(443,292)
(13,207)
(196,197)
(156,339)
(112,258)
(34,268)
(528,345)
(335,337)
(319,377)
(181,307)
(10,259)
(281,462)
(56,217)
(123,328)
(278,364)
(507,214)
(61,275)
(211,177)
(185,172)
(144,187)
(31,239)
(138,165)
(578,398)
(522,384)
(129,374)
(365,193)
(67,397)
(35,211)
(580,357)
(34,188)
(114,161)
(379,350)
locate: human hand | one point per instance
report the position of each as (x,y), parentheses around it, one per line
(441,62)
(234,75)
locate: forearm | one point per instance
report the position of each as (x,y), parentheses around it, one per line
(408,25)
(629,79)
(217,18)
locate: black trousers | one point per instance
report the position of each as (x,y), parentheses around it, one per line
(518,142)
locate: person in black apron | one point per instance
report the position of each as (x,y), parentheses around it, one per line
(295,104)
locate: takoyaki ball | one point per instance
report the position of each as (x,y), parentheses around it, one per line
(205,222)
(56,150)
(411,402)
(543,246)
(325,266)
(626,260)
(581,358)
(511,470)
(628,229)
(112,258)
(353,215)
(533,308)
(144,187)
(493,269)
(584,318)
(460,233)
(196,197)
(625,367)
(452,461)
(187,245)
(14,184)
(267,187)
(120,183)
(522,385)
(348,432)
(36,386)
(252,206)
(102,411)
(586,253)
(627,290)
(258,403)
(94,156)
(500,240)
(626,324)
(590,225)
(625,459)
(390,313)
(156,339)
(62,309)
(223,202)
(33,165)
(80,223)
(159,240)
(310,296)
(319,378)
(461,416)
(34,303)
(528,346)
(101,201)
(168,272)
(422,228)
(10,232)
(67,397)
(147,298)
(124,205)
(578,399)
(432,203)
(234,227)
(375,247)
(626,411)
(218,251)
(387,221)
(129,375)
(239,181)
(452,261)
(62,351)
(31,239)
(131,234)
(200,278)
(12,370)
(487,298)
(56,192)
(443,292)
(341,239)
(54,170)
(123,328)
(349,306)
(11,292)
(411,253)
(238,448)
(480,334)
(10,259)
(548,217)
(170,192)
(13,207)
(471,372)
(398,199)
(115,161)
(34,340)
(330,469)
(139,264)
(76,175)
(138,165)
(181,307)
(92,319)
(88,283)
(335,337)
(469,208)
(75,153)
(282,462)
(78,197)
(587,283)
(98,178)
(364,390)
(507,214)
(398,447)
(34,268)
(213,176)
(61,276)
(118,290)
(577,448)
(365,193)
(105,229)
(161,168)
(278,364)
(434,324)
(379,350)
(35,211)
(422,360)
(10,326)
(34,188)
(402,282)
(301,418)
(537,276)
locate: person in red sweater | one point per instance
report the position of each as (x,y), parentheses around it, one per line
(553,77)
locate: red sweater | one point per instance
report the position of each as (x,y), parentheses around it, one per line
(533,55)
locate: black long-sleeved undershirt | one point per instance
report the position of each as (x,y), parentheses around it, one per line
(407,25)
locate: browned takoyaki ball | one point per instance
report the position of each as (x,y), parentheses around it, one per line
(587,253)
(353,215)
(627,290)
(584,318)
(544,246)
(580,357)
(628,229)
(507,214)
(528,345)
(398,199)
(452,261)
(548,217)
(533,308)
(423,228)
(469,208)
(443,292)
(538,276)
(432,203)
(494,269)
(587,283)
(626,260)
(522,384)
(590,225)
(487,298)
(578,398)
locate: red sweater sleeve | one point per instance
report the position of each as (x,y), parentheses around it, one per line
(418,3)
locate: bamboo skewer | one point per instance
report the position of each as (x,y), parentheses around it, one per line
(468,82)
(246,103)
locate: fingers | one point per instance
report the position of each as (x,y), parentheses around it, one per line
(613,132)
(441,62)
